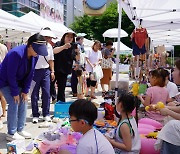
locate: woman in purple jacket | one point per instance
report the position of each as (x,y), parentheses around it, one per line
(16,73)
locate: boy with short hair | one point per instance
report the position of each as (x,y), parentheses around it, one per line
(83,113)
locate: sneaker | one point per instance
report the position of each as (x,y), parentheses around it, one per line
(35,120)
(16,136)
(1,125)
(25,134)
(47,118)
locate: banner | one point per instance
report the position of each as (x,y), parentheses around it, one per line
(52,10)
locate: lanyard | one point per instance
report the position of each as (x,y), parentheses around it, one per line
(96,142)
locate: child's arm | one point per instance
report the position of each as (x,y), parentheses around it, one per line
(126,137)
(145,101)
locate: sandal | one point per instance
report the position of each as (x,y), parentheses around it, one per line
(93,97)
(103,93)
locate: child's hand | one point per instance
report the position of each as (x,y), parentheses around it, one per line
(164,111)
(110,140)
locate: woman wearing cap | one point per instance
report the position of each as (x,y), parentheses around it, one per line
(16,73)
(63,60)
(43,70)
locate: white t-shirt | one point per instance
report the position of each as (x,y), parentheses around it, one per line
(42,63)
(3,52)
(87,144)
(171,132)
(93,57)
(172,89)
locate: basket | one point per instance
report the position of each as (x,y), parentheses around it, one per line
(61,109)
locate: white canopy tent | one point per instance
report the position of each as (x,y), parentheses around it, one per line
(88,43)
(123,47)
(163,17)
(13,29)
(58,28)
(113,33)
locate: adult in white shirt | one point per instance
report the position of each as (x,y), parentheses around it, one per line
(44,68)
(171,87)
(93,58)
(3,52)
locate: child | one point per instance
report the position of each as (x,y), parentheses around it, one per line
(127,139)
(83,113)
(156,93)
(81,83)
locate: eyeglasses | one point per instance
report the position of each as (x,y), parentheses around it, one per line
(73,120)
(77,120)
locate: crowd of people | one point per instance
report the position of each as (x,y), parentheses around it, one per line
(43,64)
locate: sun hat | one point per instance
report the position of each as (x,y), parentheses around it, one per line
(47,32)
(40,48)
(71,32)
(38,44)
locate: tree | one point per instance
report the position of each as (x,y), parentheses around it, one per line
(95,26)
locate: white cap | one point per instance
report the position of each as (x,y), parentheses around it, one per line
(47,32)
(70,31)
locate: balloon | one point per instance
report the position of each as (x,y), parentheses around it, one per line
(147,146)
(151,122)
(141,125)
(144,131)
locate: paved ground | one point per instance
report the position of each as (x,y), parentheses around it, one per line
(34,128)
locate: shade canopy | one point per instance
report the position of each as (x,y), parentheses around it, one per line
(58,28)
(163,17)
(13,29)
(123,47)
(113,33)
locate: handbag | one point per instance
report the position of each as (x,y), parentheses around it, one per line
(98,73)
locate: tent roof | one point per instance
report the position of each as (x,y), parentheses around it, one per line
(58,28)
(123,47)
(162,16)
(12,28)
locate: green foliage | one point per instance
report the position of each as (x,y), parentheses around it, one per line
(95,26)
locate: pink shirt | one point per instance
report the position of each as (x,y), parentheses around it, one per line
(157,94)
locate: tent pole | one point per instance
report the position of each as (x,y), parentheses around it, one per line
(173,56)
(118,50)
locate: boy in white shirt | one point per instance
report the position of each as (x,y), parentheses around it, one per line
(83,113)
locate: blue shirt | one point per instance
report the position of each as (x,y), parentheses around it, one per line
(14,70)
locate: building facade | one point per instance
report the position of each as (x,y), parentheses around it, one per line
(20,7)
(72,9)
